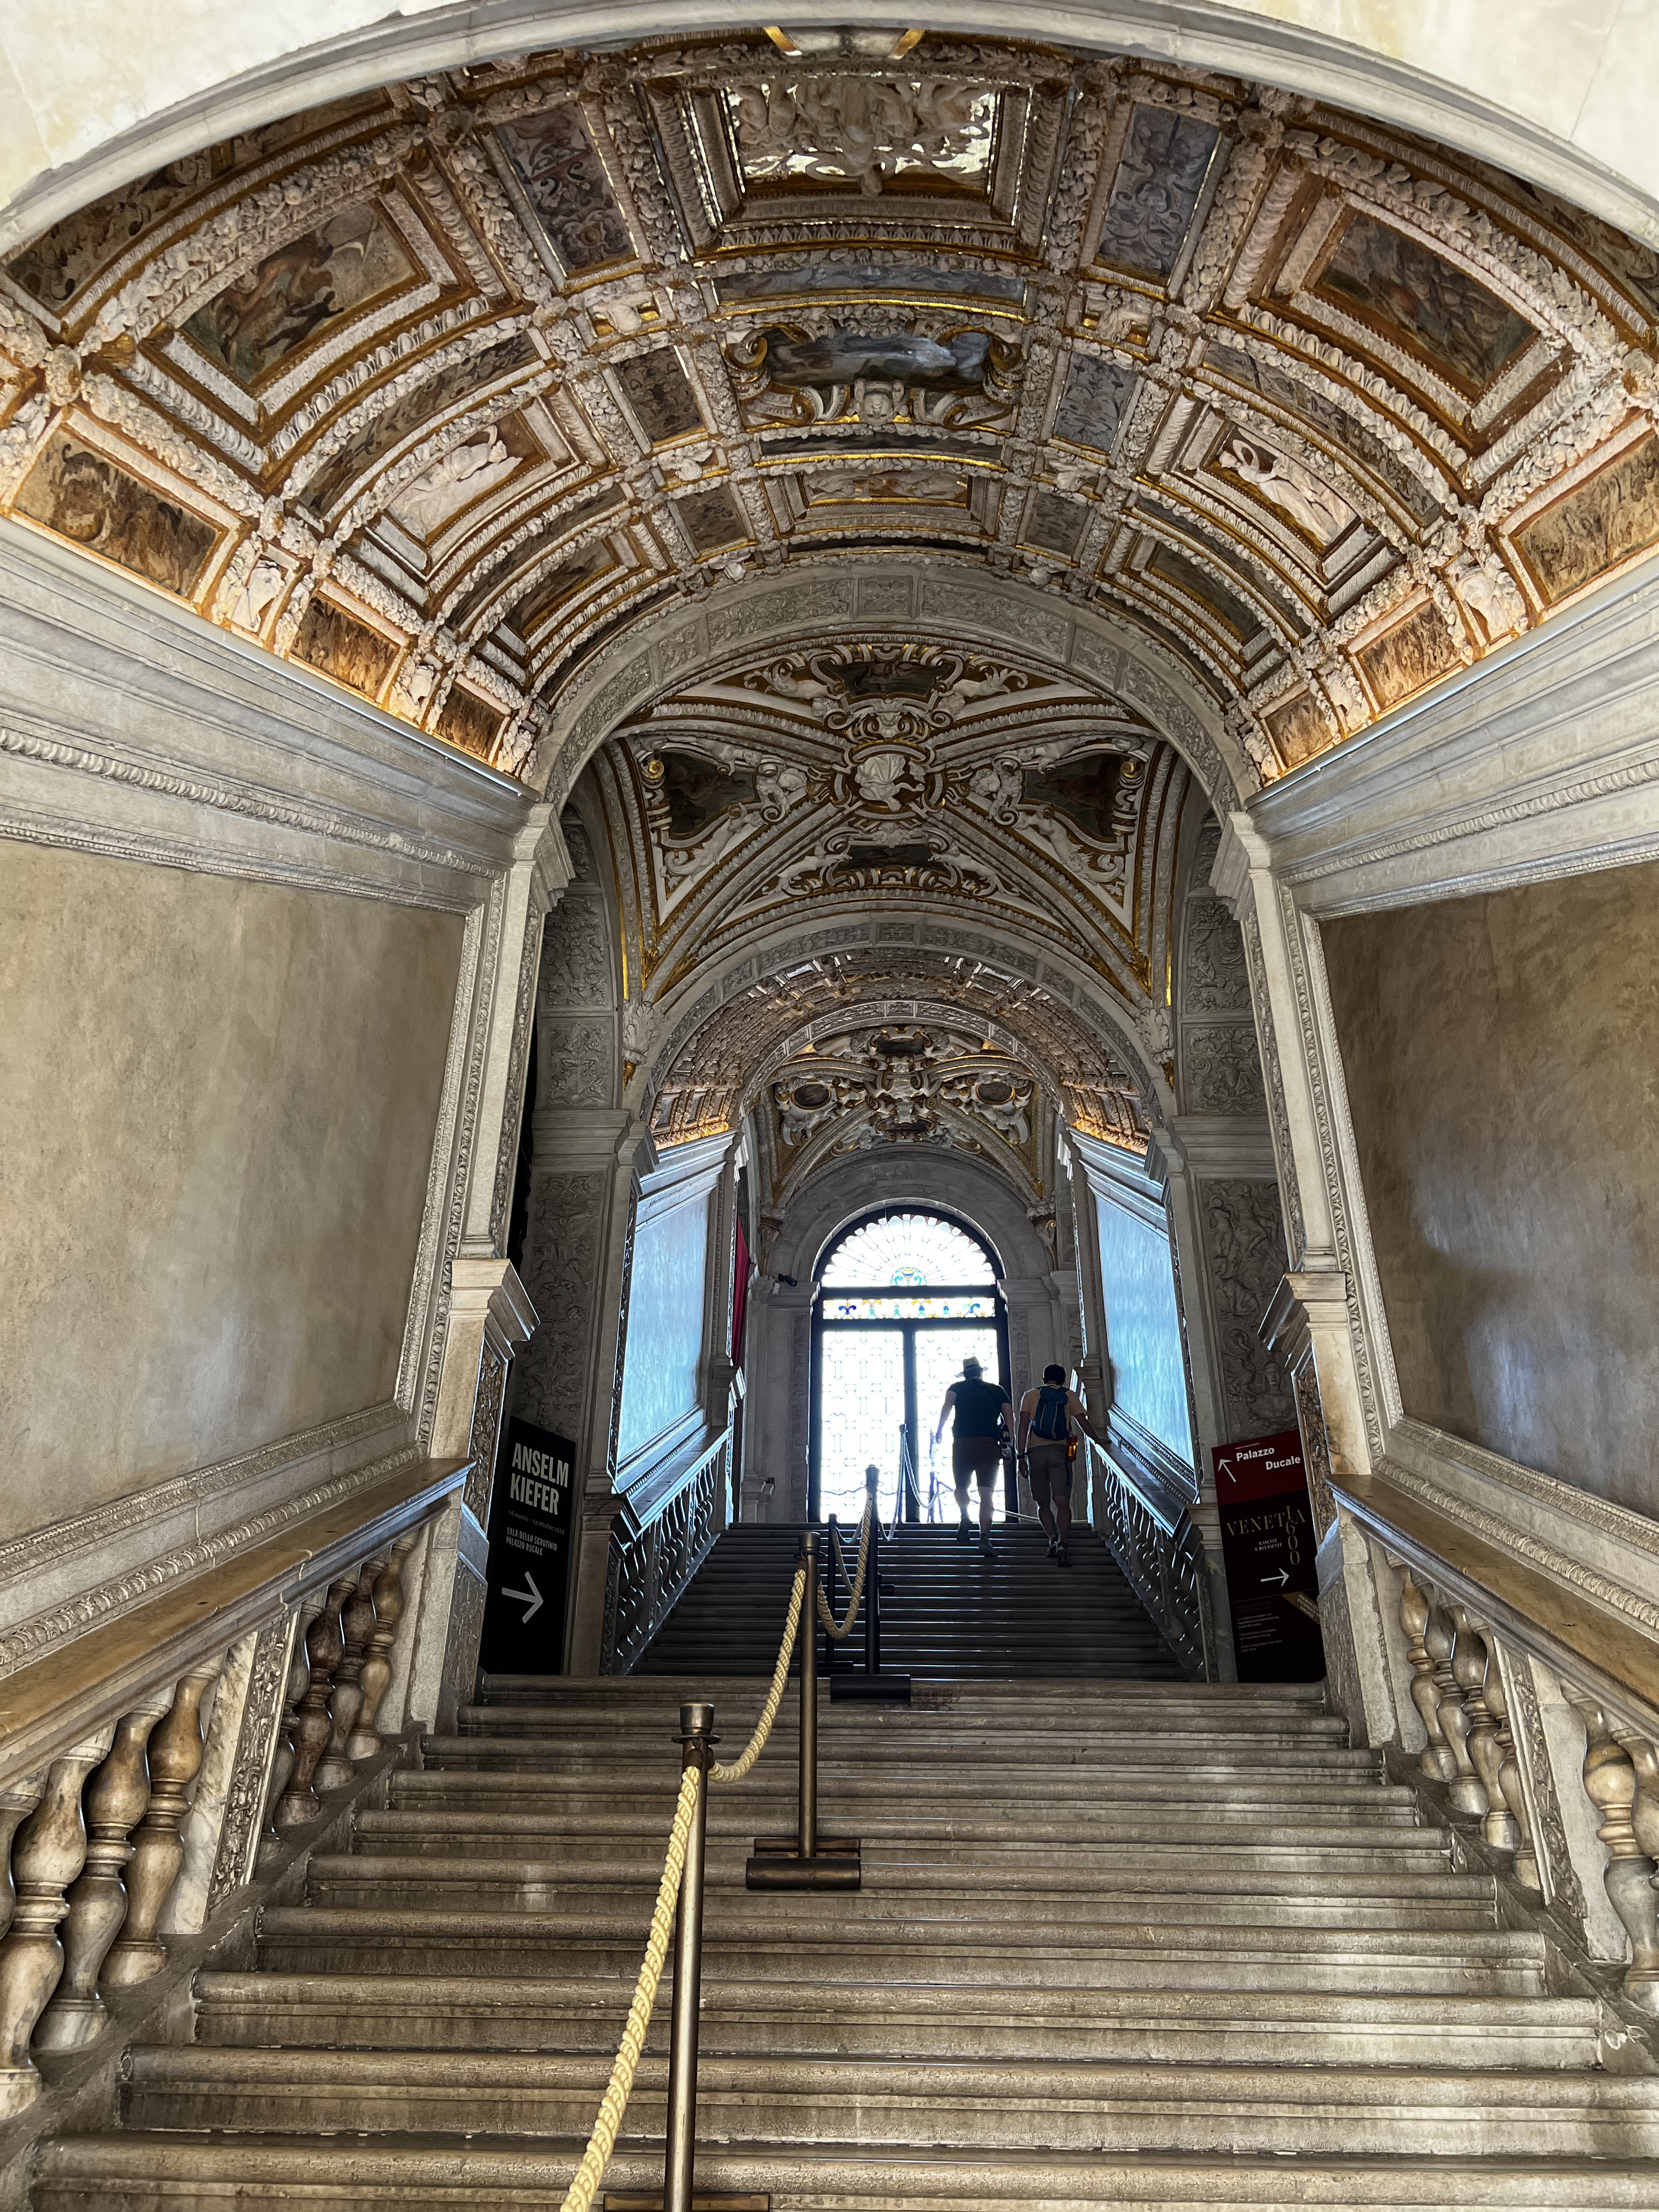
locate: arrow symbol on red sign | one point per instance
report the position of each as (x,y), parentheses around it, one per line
(1282,1578)
(532,1598)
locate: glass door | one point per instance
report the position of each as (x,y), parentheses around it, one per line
(860,1407)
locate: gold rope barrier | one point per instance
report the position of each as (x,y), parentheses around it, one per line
(579,2198)
(841,1632)
(757,1743)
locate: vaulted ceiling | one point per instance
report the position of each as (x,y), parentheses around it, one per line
(431,389)
(910,481)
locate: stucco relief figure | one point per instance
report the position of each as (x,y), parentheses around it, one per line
(858,130)
(259,595)
(888,780)
(463,473)
(1294,491)
(787,374)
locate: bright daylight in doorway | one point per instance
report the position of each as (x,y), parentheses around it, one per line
(904,1300)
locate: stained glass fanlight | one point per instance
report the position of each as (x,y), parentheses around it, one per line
(908,1266)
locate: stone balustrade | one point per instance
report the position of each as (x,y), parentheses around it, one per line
(112,1846)
(1539,1725)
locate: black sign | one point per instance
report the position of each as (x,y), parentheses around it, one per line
(531,1518)
(1267,1542)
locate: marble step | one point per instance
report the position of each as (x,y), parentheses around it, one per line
(357,1882)
(598,1853)
(1130,1953)
(891,2016)
(197,2172)
(1028,2105)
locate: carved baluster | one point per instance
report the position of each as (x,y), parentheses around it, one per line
(364,1741)
(1459,1664)
(1417,1617)
(50,1852)
(1610,1785)
(1477,1663)
(346,1697)
(17,1800)
(113,1803)
(324,1647)
(281,1766)
(1508,1780)
(158,1849)
(1643,1756)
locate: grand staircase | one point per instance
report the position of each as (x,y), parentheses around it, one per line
(949,1615)
(1128,1944)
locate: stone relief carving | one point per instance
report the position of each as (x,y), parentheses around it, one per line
(575,967)
(256,1744)
(561,1264)
(1222,1074)
(577,1063)
(1216,981)
(486,1431)
(466,1614)
(1244,1247)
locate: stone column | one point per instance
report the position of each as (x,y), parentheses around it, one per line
(1318,1323)
(490,1316)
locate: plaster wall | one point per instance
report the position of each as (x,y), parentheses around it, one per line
(89,97)
(1502,1061)
(217,1106)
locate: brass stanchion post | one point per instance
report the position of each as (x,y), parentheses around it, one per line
(697,1736)
(806,1860)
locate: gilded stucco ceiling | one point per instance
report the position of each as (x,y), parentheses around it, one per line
(435,389)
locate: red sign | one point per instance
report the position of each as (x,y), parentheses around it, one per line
(1267,1542)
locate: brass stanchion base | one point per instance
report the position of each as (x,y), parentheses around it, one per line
(778,1864)
(890,1689)
(627,2203)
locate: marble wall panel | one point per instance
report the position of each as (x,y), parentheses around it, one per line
(1501,1057)
(217,1103)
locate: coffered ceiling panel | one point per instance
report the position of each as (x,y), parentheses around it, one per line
(435,389)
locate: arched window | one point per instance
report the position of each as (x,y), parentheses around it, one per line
(904,1297)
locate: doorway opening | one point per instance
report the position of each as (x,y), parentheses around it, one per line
(904,1296)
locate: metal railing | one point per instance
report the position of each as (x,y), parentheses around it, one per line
(656,1550)
(1162,1557)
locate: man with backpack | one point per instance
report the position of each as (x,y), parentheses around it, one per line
(977,1445)
(1046,1448)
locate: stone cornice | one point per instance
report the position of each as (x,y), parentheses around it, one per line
(1541,762)
(130,727)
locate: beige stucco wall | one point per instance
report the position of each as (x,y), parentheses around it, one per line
(100,91)
(217,1103)
(1502,1058)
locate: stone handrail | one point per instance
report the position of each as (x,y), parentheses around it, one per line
(145,1767)
(1535,1707)
(654,1551)
(1162,1557)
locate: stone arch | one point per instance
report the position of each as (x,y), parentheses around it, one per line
(780,1329)
(73,143)
(936,599)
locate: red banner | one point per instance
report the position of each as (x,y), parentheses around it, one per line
(739,1293)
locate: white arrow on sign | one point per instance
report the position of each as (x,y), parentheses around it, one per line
(1283,1577)
(532,1597)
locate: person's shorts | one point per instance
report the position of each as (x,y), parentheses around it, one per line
(979,1456)
(1050,1470)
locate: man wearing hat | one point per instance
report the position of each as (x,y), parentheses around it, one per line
(977,1440)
